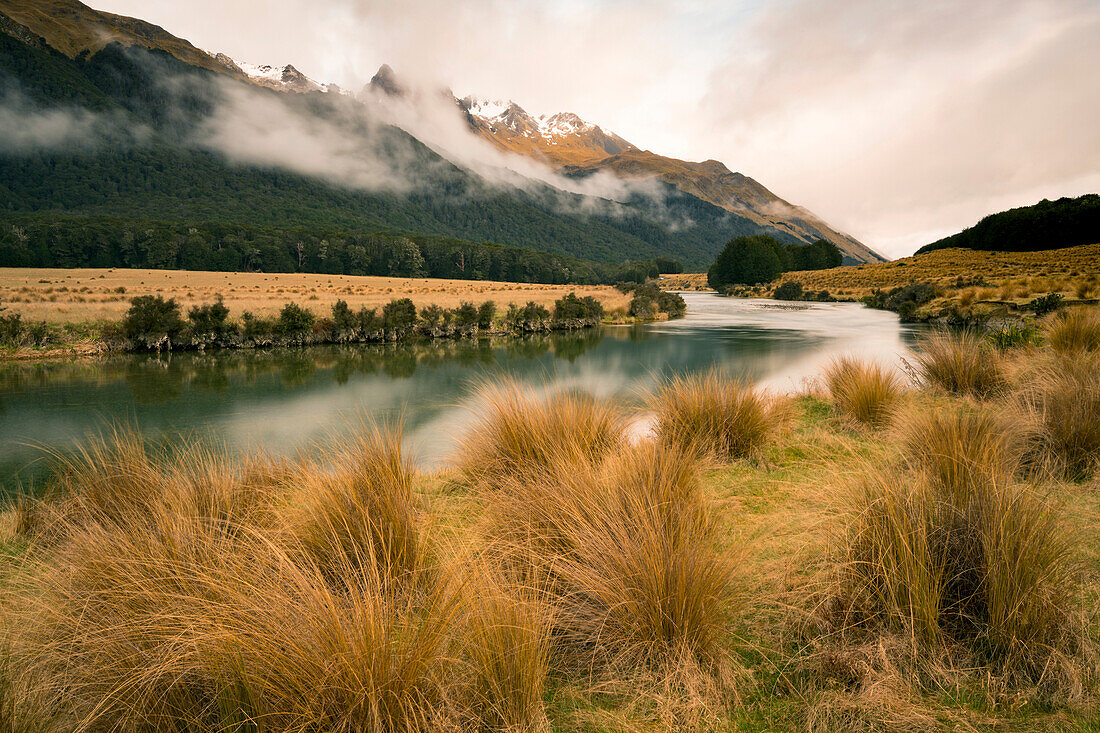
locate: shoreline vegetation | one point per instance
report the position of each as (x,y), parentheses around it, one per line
(954,287)
(870,554)
(156,323)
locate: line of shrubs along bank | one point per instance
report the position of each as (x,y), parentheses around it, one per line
(154,323)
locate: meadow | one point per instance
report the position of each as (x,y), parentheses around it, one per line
(883,551)
(964,275)
(95,295)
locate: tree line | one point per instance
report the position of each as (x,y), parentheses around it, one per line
(107,242)
(756,259)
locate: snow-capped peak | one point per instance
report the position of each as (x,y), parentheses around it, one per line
(283,78)
(509,114)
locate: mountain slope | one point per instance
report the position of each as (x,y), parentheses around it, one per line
(72,27)
(161,174)
(580,148)
(215,145)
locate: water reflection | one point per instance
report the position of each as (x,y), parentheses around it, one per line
(282,400)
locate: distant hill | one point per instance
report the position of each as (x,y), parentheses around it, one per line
(1067,222)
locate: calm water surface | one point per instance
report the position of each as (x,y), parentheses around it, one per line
(284,400)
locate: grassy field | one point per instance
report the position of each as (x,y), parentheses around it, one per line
(871,555)
(1009,277)
(93,295)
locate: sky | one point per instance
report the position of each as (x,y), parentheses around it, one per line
(897,121)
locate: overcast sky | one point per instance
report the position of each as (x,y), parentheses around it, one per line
(896,121)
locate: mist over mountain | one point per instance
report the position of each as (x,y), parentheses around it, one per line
(103,115)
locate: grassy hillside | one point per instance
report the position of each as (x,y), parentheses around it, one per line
(1073,271)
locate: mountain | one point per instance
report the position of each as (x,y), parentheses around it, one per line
(580,148)
(1067,222)
(73,28)
(145,125)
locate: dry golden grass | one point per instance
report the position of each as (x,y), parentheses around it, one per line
(715,416)
(66,296)
(1017,275)
(630,590)
(960,364)
(864,392)
(519,434)
(1074,330)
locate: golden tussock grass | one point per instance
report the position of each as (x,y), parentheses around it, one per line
(1061,395)
(953,555)
(866,393)
(715,416)
(521,434)
(932,574)
(626,558)
(960,363)
(1074,330)
(183,613)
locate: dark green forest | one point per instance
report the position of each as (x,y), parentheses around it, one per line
(1067,222)
(761,258)
(139,163)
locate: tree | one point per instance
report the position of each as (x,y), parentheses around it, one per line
(746,261)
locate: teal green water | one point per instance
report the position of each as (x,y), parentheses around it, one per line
(289,399)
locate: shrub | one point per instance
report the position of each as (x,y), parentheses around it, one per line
(671,303)
(153,322)
(398,318)
(866,393)
(527,318)
(294,322)
(465,318)
(643,307)
(789,290)
(256,329)
(959,363)
(485,314)
(626,556)
(1045,304)
(518,435)
(1013,335)
(344,321)
(1074,330)
(432,319)
(570,308)
(905,301)
(210,322)
(1063,398)
(714,416)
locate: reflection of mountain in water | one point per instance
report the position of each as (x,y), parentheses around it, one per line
(284,399)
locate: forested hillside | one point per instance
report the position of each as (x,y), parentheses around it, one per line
(136,157)
(1067,222)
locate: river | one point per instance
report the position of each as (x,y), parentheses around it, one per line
(283,400)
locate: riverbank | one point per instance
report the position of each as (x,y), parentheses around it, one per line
(528,585)
(156,320)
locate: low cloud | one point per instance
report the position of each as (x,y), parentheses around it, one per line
(26,127)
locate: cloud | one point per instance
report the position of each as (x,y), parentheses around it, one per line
(269,129)
(904,122)
(27,127)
